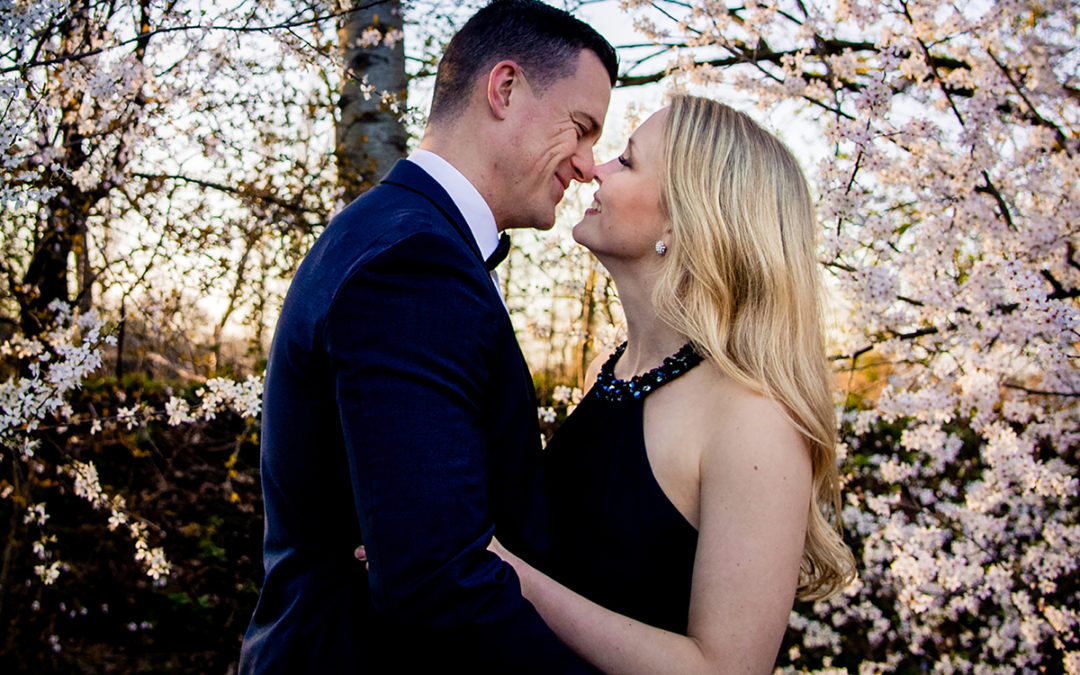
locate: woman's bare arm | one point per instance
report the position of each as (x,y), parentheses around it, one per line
(754,499)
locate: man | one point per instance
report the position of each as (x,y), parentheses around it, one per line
(398,410)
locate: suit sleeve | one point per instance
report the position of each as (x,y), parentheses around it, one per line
(407,336)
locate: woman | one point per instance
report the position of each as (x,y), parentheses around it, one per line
(688,490)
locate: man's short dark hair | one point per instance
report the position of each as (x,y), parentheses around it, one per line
(545,42)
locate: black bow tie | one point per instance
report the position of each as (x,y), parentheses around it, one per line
(499,254)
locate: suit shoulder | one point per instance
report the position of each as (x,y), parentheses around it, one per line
(383,227)
(383,218)
(390,207)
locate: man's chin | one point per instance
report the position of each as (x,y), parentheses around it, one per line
(544,222)
(535,224)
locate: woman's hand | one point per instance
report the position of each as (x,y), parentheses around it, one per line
(522,568)
(497,548)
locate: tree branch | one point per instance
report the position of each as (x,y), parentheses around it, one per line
(144,36)
(922,332)
(1059,292)
(823,47)
(242,191)
(1041,392)
(1033,113)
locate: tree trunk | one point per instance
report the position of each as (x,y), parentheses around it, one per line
(370,134)
(62,232)
(588,321)
(84,298)
(46,276)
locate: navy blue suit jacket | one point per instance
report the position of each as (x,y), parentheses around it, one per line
(398,411)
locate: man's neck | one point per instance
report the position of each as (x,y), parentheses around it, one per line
(465,153)
(466,197)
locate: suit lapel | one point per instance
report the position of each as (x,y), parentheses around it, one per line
(411,177)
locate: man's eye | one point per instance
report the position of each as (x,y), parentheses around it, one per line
(625,161)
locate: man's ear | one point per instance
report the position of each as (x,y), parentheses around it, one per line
(503,79)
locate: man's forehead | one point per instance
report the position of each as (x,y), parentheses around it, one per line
(592,82)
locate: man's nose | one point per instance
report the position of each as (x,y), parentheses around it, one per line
(584,165)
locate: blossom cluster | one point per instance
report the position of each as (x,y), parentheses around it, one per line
(564,400)
(56,365)
(37,400)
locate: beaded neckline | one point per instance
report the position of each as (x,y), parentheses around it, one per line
(608,388)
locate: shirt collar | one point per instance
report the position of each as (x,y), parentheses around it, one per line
(466,197)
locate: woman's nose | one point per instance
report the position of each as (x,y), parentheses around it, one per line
(601,171)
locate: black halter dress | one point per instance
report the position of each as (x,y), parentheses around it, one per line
(616,537)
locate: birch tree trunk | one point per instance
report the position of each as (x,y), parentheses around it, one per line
(370,133)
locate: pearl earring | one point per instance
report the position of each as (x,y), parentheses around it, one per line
(661,247)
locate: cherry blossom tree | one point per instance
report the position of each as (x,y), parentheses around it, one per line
(130,169)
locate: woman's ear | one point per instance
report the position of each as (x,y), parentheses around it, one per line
(503,79)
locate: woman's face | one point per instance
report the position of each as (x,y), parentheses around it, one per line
(626,217)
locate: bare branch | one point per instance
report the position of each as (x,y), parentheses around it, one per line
(243,191)
(1041,392)
(1033,113)
(143,37)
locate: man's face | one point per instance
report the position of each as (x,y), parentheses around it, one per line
(553,139)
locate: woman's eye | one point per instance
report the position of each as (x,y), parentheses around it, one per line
(625,161)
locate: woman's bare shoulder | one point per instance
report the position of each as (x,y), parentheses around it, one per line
(737,422)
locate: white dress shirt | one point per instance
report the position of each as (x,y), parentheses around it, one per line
(466,197)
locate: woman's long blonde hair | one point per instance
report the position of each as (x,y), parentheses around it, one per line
(741,281)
